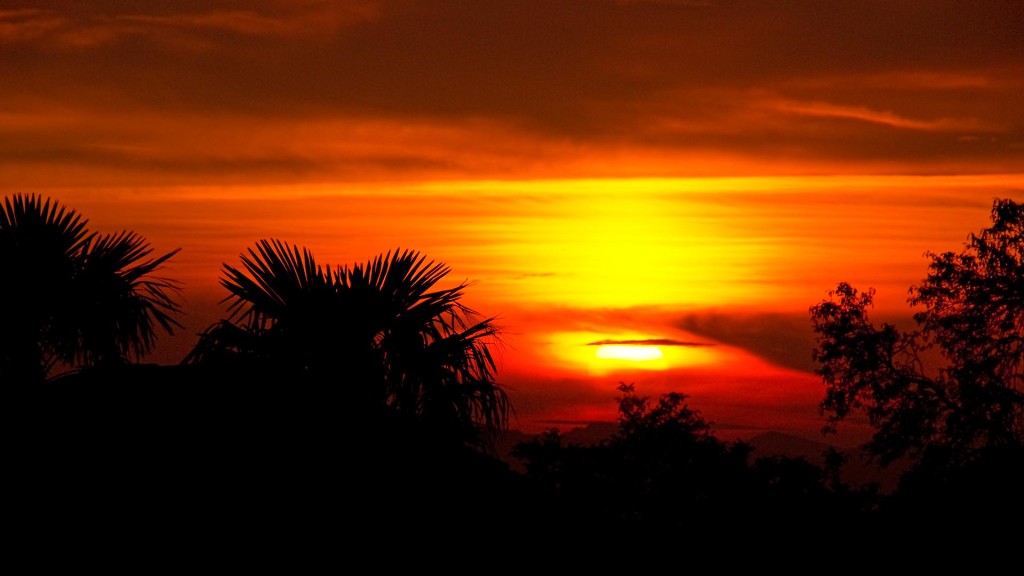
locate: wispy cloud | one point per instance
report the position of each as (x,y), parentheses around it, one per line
(241,22)
(17,26)
(386,88)
(300,20)
(929,80)
(883,117)
(82,27)
(650,342)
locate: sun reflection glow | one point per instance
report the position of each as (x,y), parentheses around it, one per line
(633,353)
(624,352)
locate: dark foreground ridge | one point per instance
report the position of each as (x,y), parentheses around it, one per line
(169,444)
(185,459)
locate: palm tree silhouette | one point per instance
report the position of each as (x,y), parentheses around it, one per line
(72,296)
(383,328)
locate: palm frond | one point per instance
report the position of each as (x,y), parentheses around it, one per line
(39,244)
(119,304)
(36,225)
(82,297)
(398,279)
(383,326)
(275,279)
(222,343)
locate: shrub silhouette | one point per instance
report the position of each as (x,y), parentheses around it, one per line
(664,471)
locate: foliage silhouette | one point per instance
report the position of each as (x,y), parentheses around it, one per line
(664,470)
(973,316)
(75,297)
(383,329)
(949,395)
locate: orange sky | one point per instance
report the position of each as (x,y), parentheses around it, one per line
(693,171)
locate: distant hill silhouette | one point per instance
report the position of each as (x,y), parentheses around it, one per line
(780,444)
(857,471)
(588,434)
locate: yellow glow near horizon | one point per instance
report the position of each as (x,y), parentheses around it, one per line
(708,242)
(613,244)
(575,352)
(760,243)
(631,352)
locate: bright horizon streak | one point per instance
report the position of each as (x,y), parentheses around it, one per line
(607,175)
(563,263)
(618,243)
(631,352)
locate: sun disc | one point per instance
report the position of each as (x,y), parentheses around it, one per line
(633,353)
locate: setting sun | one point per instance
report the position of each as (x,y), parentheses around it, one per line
(620,189)
(629,352)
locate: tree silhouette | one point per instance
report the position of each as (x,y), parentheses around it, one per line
(951,409)
(661,469)
(664,471)
(73,296)
(382,330)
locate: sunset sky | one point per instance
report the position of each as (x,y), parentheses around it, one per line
(678,180)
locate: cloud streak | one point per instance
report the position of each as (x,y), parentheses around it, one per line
(650,342)
(885,118)
(512,89)
(547,150)
(114,22)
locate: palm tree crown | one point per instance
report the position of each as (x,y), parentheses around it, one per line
(383,327)
(72,296)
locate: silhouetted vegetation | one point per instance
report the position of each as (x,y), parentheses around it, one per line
(72,296)
(663,471)
(366,395)
(385,334)
(949,395)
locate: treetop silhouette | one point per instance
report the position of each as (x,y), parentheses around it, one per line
(73,296)
(971,315)
(382,329)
